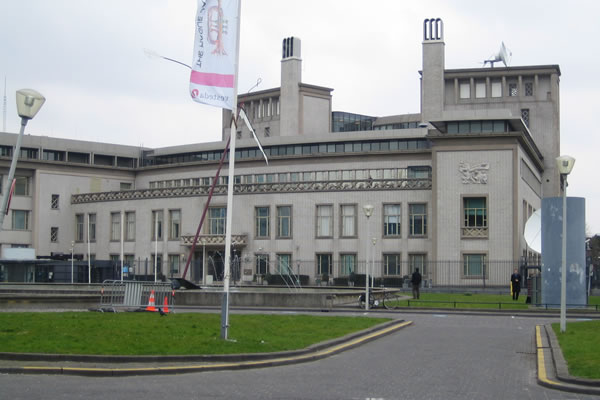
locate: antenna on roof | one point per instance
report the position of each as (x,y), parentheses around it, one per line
(502,55)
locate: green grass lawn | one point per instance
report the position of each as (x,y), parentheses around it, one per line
(466,300)
(580,348)
(149,333)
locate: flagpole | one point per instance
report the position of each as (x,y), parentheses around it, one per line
(230,183)
(88,255)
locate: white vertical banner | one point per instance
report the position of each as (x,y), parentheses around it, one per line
(214,65)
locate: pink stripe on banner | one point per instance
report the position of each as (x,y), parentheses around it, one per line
(208,79)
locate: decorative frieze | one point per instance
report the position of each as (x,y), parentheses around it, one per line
(214,240)
(477,173)
(474,232)
(286,187)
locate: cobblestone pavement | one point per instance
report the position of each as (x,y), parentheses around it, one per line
(439,357)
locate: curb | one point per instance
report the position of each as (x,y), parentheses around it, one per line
(552,369)
(219,363)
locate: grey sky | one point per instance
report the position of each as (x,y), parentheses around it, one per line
(87,58)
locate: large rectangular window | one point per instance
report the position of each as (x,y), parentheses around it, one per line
(216,220)
(158,268)
(92,227)
(20,220)
(391,264)
(496,88)
(284,222)
(348,220)
(174,264)
(324,221)
(262,216)
(474,265)
(130,225)
(115,226)
(174,224)
(157,223)
(475,217)
(417,261)
(262,264)
(480,89)
(347,264)
(324,264)
(21,186)
(391,220)
(465,90)
(417,214)
(284,263)
(79,227)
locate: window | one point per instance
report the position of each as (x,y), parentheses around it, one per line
(465,90)
(284,221)
(474,265)
(29,153)
(174,263)
(216,220)
(21,186)
(115,226)
(496,89)
(348,220)
(348,264)
(54,202)
(267,131)
(283,264)
(79,227)
(92,227)
(391,264)
(391,220)
(262,215)
(525,116)
(54,234)
(480,90)
(324,221)
(157,220)
(20,220)
(417,261)
(513,90)
(528,88)
(158,268)
(324,264)
(262,264)
(125,186)
(130,225)
(174,224)
(417,214)
(475,221)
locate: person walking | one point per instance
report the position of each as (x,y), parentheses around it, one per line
(416,283)
(515,284)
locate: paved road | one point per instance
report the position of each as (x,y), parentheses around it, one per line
(439,357)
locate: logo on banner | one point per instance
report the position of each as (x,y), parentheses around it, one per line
(217,27)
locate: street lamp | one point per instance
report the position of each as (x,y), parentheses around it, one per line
(29,103)
(368,209)
(564,165)
(374,241)
(72,250)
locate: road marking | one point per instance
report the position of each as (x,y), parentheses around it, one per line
(542,375)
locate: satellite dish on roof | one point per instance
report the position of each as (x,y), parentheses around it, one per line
(533,231)
(503,56)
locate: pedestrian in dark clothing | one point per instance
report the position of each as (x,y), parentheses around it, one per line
(416,283)
(515,284)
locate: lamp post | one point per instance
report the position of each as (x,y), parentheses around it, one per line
(29,103)
(565,165)
(374,241)
(72,250)
(368,209)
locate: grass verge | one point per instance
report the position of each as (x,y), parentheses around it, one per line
(580,348)
(151,334)
(466,301)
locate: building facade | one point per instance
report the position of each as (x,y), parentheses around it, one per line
(451,186)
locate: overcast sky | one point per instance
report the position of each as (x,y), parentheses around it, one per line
(87,58)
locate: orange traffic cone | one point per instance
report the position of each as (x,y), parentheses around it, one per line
(166,305)
(151,304)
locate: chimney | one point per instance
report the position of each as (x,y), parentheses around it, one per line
(432,80)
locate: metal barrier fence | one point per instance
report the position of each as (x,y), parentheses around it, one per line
(136,294)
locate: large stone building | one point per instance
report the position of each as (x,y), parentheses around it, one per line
(451,186)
